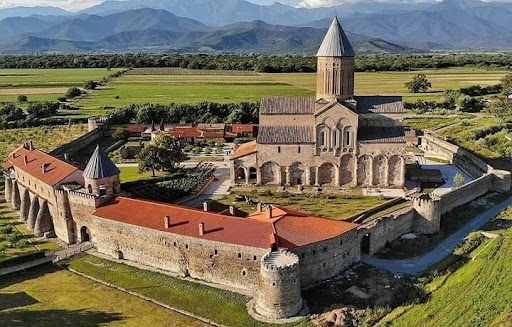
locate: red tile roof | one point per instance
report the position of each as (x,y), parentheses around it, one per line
(245,149)
(56,170)
(289,228)
(135,128)
(242,128)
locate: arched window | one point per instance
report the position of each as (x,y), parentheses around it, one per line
(336,138)
(89,188)
(348,137)
(323,138)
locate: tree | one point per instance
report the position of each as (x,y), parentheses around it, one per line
(163,153)
(22,98)
(506,83)
(500,110)
(120,134)
(450,97)
(470,104)
(419,83)
(90,85)
(459,179)
(73,92)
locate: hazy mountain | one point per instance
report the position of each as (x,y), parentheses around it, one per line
(94,28)
(29,11)
(15,26)
(379,46)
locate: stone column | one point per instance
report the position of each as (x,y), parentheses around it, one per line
(246,176)
(354,177)
(258,175)
(288,176)
(32,213)
(15,197)
(337,171)
(8,189)
(44,222)
(370,172)
(386,172)
(279,172)
(25,206)
(317,175)
(307,181)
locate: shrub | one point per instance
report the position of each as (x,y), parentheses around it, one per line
(19,244)
(6,230)
(90,85)
(62,99)
(13,237)
(2,248)
(120,134)
(22,98)
(73,92)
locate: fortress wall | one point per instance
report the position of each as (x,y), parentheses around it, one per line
(326,259)
(182,255)
(466,193)
(388,228)
(78,144)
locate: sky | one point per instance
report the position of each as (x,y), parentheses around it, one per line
(75,5)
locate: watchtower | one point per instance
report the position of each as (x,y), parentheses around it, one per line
(101,176)
(279,294)
(429,213)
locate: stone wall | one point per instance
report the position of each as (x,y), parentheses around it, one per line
(326,259)
(466,193)
(388,228)
(78,144)
(215,262)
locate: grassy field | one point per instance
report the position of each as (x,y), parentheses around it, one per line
(45,84)
(221,306)
(131,174)
(477,293)
(189,87)
(31,244)
(384,83)
(46,138)
(335,207)
(50,296)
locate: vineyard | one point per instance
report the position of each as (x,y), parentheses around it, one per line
(183,71)
(170,188)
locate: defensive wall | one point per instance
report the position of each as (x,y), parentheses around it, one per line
(75,146)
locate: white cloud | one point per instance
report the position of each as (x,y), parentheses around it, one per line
(72,5)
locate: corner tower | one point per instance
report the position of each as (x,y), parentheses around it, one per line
(335,68)
(101,176)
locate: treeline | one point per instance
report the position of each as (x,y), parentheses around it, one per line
(203,112)
(260,63)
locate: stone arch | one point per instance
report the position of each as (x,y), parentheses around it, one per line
(85,234)
(297,173)
(347,170)
(363,170)
(241,174)
(253,175)
(327,174)
(379,171)
(270,173)
(395,171)
(89,189)
(25,205)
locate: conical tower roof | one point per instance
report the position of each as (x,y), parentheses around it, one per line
(336,43)
(100,166)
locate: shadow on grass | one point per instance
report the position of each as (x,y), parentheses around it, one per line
(15,300)
(53,318)
(498,225)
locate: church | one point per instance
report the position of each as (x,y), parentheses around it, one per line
(335,139)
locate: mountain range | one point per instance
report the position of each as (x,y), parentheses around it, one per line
(241,26)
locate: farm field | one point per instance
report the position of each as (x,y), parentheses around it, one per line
(167,85)
(51,296)
(477,293)
(46,138)
(45,84)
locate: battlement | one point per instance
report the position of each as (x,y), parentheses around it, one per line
(282,261)
(425,199)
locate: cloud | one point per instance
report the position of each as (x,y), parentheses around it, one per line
(71,5)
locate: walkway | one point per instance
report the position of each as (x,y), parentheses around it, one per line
(448,172)
(417,265)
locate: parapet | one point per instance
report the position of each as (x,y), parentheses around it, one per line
(280,261)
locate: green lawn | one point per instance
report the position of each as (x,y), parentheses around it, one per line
(131,174)
(392,83)
(46,138)
(477,293)
(46,84)
(51,296)
(335,206)
(221,306)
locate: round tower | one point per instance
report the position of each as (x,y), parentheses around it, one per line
(101,176)
(279,293)
(335,67)
(429,213)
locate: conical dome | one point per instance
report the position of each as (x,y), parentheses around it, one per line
(100,166)
(335,43)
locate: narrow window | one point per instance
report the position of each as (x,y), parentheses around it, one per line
(303,255)
(216,252)
(254,258)
(347,138)
(322,138)
(174,243)
(244,272)
(186,246)
(298,149)
(273,284)
(278,149)
(336,137)
(314,252)
(325,249)
(324,265)
(239,255)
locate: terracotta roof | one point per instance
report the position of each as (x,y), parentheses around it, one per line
(245,149)
(56,170)
(135,128)
(241,128)
(379,134)
(335,43)
(290,228)
(287,106)
(380,104)
(286,135)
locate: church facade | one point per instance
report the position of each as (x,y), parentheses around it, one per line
(334,139)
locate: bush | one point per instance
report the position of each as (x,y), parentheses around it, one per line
(2,248)
(22,98)
(62,99)
(19,244)
(90,85)
(73,92)
(120,134)
(6,230)
(13,237)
